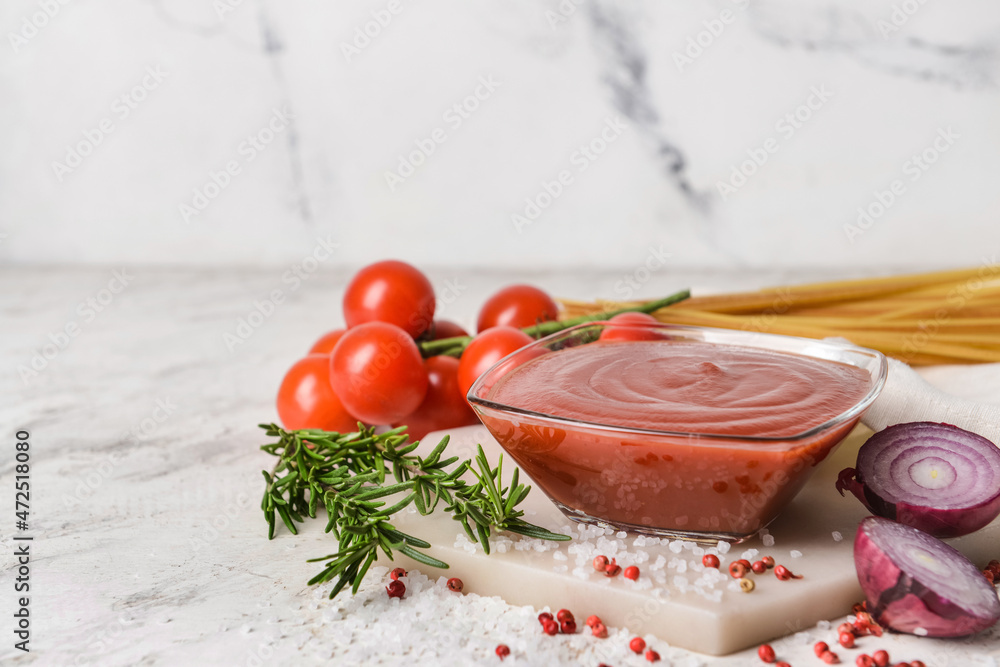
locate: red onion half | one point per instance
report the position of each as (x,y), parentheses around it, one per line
(935,477)
(916,583)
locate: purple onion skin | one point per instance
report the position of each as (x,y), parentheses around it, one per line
(941,523)
(897,601)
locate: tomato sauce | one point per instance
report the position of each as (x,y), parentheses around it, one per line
(730,436)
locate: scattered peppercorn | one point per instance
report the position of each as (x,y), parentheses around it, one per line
(819,648)
(652,656)
(784,574)
(612,569)
(768,562)
(632,572)
(593,620)
(395,589)
(600,563)
(881,658)
(830,658)
(845,627)
(747,585)
(397,573)
(564,615)
(710,560)
(637,644)
(544,616)
(758,567)
(503,651)
(864,660)
(455,585)
(599,630)
(766,652)
(846,639)
(917,663)
(781,663)
(737,570)
(567,627)
(550,627)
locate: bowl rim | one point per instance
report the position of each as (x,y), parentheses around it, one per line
(838,346)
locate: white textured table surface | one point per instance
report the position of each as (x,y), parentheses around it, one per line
(149,547)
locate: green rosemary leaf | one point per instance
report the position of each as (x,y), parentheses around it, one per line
(381,492)
(435,454)
(531,530)
(421,557)
(363,571)
(389,511)
(484,537)
(285,518)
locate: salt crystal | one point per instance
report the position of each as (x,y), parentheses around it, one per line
(749,554)
(558,555)
(640,541)
(698,551)
(723,547)
(837,536)
(920,632)
(560,568)
(824,625)
(767,540)
(621,534)
(676,546)
(795,553)
(682,566)
(660,562)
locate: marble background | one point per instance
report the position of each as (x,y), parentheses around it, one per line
(237,132)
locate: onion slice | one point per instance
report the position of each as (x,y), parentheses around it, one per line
(936,477)
(917,584)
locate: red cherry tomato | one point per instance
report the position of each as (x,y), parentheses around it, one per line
(485,350)
(377,372)
(306,399)
(517,306)
(611,332)
(393,292)
(326,342)
(444,406)
(446,329)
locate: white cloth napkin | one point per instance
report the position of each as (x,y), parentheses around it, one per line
(908,397)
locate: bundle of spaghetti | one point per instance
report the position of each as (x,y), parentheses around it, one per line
(928,318)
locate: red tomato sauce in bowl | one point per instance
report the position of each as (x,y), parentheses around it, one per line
(683,437)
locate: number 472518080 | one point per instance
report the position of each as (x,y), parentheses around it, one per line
(22,481)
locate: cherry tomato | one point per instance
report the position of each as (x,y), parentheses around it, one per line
(326,342)
(517,306)
(377,372)
(390,291)
(611,332)
(306,399)
(444,406)
(446,329)
(485,350)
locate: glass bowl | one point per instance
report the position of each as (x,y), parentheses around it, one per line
(706,485)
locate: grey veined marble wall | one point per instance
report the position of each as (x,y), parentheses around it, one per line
(734,133)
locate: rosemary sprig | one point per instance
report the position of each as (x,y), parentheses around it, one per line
(346,474)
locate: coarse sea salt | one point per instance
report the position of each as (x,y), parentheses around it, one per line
(795,553)
(837,536)
(767,540)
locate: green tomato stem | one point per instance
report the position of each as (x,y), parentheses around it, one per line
(455,346)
